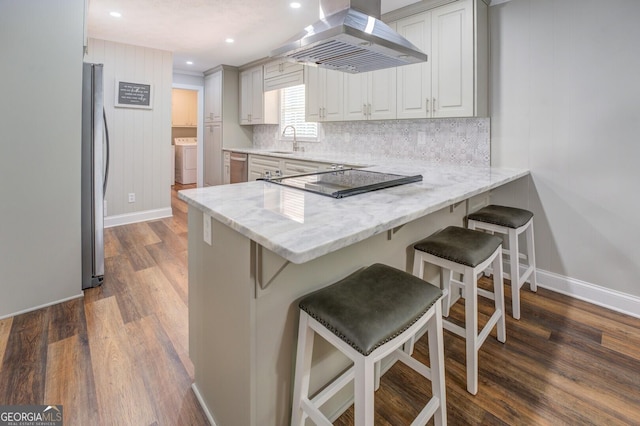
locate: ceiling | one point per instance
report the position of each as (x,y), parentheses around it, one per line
(195,30)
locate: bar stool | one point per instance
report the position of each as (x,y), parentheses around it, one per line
(512,222)
(368,316)
(466,252)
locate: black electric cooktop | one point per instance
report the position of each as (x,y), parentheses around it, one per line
(344,182)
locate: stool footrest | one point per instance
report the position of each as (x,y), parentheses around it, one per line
(461,331)
(488,327)
(454,328)
(486,294)
(330,390)
(413,363)
(427,412)
(314,413)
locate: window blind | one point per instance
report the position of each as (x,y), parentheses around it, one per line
(292,114)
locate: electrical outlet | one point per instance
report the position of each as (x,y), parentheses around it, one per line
(132,197)
(422,138)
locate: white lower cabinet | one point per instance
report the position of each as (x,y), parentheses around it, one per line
(297,167)
(259,164)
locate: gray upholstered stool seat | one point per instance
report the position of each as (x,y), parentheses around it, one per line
(510,217)
(372,306)
(510,222)
(372,314)
(468,253)
(460,245)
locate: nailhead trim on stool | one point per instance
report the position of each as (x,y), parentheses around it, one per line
(466,252)
(512,222)
(369,315)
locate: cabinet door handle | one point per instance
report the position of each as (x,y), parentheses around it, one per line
(369,110)
(434,105)
(364,109)
(427,104)
(324,112)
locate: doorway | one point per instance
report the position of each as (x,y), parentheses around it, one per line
(187,106)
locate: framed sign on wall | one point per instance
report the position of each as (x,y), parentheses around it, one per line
(133,95)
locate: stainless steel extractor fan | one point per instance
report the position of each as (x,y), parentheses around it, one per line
(350,37)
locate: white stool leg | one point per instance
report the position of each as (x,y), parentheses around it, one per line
(418,264)
(445,285)
(471,329)
(436,361)
(498,292)
(364,392)
(303,369)
(531,257)
(514,260)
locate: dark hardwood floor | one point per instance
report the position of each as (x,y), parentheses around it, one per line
(120,355)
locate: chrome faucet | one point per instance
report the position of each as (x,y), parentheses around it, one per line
(295,141)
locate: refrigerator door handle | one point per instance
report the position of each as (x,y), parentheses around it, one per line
(106,168)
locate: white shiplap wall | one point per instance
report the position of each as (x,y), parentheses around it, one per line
(140,138)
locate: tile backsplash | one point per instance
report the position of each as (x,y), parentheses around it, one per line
(464,141)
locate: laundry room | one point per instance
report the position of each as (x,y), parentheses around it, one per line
(184,135)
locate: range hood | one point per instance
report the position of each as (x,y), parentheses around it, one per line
(350,37)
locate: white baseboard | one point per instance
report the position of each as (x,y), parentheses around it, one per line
(202,404)
(124,219)
(601,296)
(35,308)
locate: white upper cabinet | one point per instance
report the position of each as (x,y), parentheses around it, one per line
(324,94)
(281,74)
(213,97)
(453,82)
(256,106)
(452,87)
(414,81)
(370,95)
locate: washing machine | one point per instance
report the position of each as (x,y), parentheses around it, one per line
(186,159)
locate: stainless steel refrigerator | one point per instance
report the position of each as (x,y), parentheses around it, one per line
(95,170)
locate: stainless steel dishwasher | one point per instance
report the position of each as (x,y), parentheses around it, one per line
(239,167)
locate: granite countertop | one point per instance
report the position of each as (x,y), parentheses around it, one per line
(301,226)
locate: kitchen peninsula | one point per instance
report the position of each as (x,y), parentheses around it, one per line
(255,248)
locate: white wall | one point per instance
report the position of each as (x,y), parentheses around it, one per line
(40,119)
(566,104)
(140,138)
(190,79)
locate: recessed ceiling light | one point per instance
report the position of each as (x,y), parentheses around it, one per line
(116,14)
(295,5)
(229,40)
(189,62)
